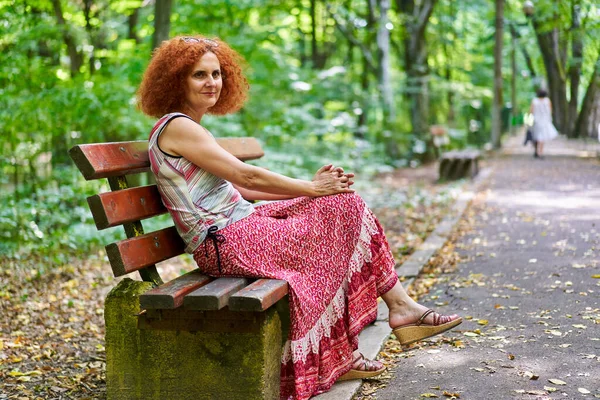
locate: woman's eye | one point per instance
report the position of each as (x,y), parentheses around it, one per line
(200,74)
(216,74)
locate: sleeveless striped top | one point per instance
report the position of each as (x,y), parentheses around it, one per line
(196,199)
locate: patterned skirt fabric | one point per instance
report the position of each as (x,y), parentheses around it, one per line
(334,255)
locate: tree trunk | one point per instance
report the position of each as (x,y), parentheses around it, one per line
(575,69)
(448,67)
(87,11)
(554,62)
(384,80)
(588,113)
(513,78)
(497,102)
(75,56)
(132,21)
(417,70)
(162,21)
(314,49)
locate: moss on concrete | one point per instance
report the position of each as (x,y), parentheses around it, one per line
(183,365)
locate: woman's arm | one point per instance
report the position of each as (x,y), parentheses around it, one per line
(183,137)
(256,195)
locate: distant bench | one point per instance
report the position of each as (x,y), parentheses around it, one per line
(459,164)
(143,363)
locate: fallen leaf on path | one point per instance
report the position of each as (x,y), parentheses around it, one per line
(550,389)
(583,390)
(557,381)
(451,395)
(531,375)
(537,392)
(429,395)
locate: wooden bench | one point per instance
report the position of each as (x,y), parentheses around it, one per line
(459,164)
(191,303)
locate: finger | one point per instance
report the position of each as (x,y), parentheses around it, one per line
(324,168)
(350,175)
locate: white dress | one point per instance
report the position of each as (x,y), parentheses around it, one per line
(543,129)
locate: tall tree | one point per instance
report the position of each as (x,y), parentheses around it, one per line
(497,101)
(417,15)
(75,55)
(575,68)
(162,21)
(383,64)
(589,116)
(554,54)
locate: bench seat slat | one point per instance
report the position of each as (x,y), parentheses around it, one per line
(115,208)
(171,294)
(103,160)
(133,254)
(215,295)
(259,295)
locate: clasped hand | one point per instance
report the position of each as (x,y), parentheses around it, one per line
(332,180)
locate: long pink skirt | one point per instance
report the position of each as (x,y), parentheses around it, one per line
(334,255)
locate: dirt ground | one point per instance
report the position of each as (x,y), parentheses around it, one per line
(52,326)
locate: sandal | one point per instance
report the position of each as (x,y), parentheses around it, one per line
(410,333)
(364,369)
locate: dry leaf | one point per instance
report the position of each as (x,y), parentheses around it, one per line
(550,389)
(482,322)
(429,395)
(557,381)
(583,390)
(451,395)
(537,392)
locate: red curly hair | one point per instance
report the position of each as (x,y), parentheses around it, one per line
(162,90)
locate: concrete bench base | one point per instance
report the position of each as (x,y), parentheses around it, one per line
(177,365)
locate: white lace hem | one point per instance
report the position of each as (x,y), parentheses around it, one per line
(298,350)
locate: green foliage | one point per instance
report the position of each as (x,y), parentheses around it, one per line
(304,116)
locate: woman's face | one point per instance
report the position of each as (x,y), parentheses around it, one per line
(204,84)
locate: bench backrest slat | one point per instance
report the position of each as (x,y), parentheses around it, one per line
(116,208)
(138,252)
(102,160)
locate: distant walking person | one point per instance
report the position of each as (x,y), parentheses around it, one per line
(543,129)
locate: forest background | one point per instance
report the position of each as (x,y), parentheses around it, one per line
(358,83)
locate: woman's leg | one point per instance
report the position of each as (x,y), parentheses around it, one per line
(403,309)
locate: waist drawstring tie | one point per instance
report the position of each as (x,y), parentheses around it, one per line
(216,238)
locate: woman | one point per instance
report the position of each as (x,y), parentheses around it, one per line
(543,130)
(320,238)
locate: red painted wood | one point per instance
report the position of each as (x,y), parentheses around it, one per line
(138,252)
(171,294)
(127,205)
(259,295)
(101,160)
